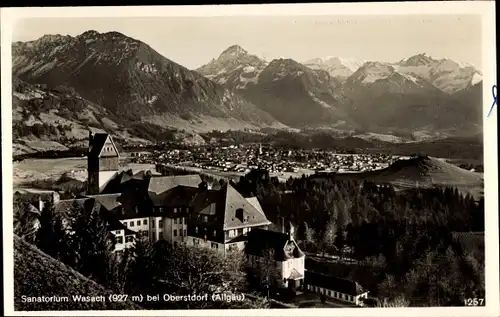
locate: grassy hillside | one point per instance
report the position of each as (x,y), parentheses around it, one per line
(37,274)
(422,172)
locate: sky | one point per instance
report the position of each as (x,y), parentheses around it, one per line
(194,41)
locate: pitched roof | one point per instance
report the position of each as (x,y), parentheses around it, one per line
(235,201)
(294,275)
(115,224)
(260,241)
(161,184)
(36,193)
(255,202)
(108,201)
(227,201)
(126,179)
(175,197)
(68,207)
(341,285)
(97,142)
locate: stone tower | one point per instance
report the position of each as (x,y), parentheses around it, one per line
(103,161)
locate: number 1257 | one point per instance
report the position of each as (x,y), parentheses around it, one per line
(474,302)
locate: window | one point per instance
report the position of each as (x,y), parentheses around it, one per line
(185,232)
(175,233)
(196,229)
(329,293)
(131,223)
(231,233)
(175,210)
(180,221)
(175,221)
(129,239)
(144,222)
(138,222)
(196,241)
(125,223)
(153,222)
(215,233)
(119,240)
(161,209)
(160,223)
(215,246)
(205,218)
(145,233)
(239,214)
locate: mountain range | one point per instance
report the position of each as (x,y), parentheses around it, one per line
(65,85)
(419,94)
(132,83)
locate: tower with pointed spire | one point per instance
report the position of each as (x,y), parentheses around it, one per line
(103,160)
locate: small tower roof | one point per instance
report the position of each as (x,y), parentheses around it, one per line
(97,142)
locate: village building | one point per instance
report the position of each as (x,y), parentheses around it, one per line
(38,198)
(286,257)
(221,219)
(336,288)
(68,209)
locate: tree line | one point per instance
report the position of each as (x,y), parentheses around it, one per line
(400,241)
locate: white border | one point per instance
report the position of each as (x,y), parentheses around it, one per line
(486,9)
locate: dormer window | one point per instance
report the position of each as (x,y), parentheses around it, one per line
(240,214)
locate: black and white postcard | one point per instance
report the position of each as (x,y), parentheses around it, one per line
(307,159)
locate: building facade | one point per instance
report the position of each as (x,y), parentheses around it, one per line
(340,289)
(221,219)
(279,250)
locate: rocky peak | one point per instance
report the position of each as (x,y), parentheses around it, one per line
(233,51)
(89,34)
(418,60)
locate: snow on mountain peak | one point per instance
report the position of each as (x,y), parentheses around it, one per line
(476,78)
(233,51)
(421,59)
(353,64)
